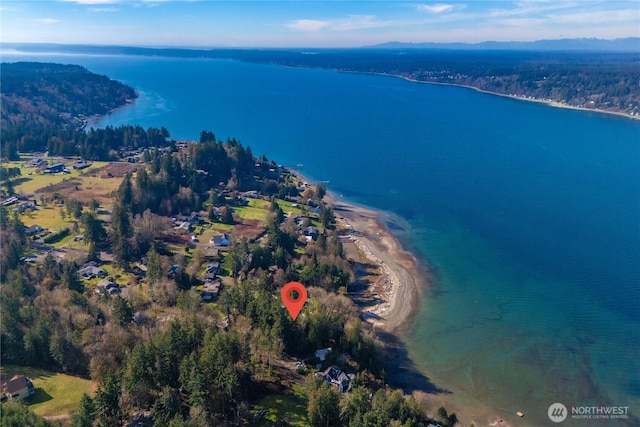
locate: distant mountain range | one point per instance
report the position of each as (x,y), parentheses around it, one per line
(629,44)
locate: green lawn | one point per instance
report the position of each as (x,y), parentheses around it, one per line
(256,209)
(30,180)
(56,394)
(292,408)
(287,207)
(48,218)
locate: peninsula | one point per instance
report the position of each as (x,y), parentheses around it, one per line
(146,283)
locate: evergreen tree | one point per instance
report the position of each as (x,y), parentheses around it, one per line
(122,311)
(226,216)
(107,401)
(154,266)
(323,403)
(121,231)
(86,415)
(19,415)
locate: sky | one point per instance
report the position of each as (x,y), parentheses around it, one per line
(326,23)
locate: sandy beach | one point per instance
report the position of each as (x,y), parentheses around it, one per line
(397,289)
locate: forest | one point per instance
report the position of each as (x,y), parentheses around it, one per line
(45,106)
(159,349)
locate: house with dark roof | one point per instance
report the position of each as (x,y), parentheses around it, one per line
(17,388)
(58,167)
(81,164)
(34,229)
(107,286)
(311,232)
(221,240)
(335,376)
(91,271)
(211,253)
(210,291)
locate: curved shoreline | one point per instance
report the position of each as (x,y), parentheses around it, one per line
(398,289)
(549,103)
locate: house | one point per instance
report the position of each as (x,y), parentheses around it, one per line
(10,201)
(315,210)
(221,240)
(36,162)
(34,229)
(211,253)
(79,165)
(25,205)
(173,271)
(210,291)
(213,267)
(108,286)
(311,232)
(337,377)
(195,218)
(58,167)
(252,194)
(91,271)
(17,388)
(182,227)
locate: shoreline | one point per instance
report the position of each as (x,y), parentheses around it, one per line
(550,103)
(397,292)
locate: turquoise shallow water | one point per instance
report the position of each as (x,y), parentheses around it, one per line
(529,216)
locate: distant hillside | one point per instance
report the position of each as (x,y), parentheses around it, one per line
(593,74)
(629,44)
(46,94)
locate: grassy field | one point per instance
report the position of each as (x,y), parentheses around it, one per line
(30,180)
(292,408)
(46,217)
(256,209)
(288,207)
(56,394)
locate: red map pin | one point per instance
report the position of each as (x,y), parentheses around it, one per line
(293,296)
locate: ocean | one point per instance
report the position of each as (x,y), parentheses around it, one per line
(527,216)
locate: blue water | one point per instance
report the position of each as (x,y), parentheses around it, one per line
(528,216)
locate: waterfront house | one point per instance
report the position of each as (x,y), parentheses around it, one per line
(335,376)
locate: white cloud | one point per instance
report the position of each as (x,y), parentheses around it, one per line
(358,22)
(104,9)
(47,20)
(436,8)
(307,25)
(351,22)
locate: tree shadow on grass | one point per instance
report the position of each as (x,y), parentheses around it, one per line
(39,397)
(401,371)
